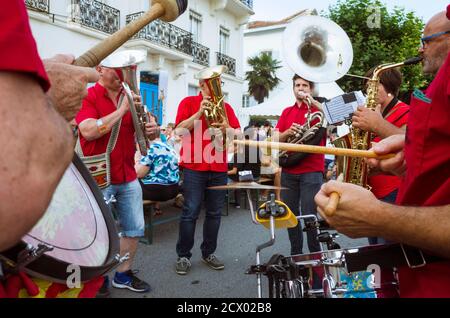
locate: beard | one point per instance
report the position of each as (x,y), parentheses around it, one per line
(432,64)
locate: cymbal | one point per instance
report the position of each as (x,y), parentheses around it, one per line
(246,185)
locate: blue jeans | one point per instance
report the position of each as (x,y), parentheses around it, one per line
(129,208)
(300,193)
(390,198)
(195,186)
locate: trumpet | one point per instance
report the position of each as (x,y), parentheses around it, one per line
(125,63)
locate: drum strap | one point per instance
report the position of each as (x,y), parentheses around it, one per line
(389,256)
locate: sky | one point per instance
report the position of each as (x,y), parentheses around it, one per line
(273,10)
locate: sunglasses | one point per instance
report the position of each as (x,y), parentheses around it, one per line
(427,39)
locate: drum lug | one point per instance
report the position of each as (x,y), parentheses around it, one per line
(122,259)
(31,253)
(328,285)
(112,199)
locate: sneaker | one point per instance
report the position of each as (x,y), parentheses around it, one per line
(130,281)
(183,265)
(103,292)
(213,262)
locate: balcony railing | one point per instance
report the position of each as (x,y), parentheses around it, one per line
(96,15)
(248,3)
(164,34)
(38,5)
(223,59)
(200,53)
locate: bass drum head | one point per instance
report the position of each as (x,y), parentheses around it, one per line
(80,228)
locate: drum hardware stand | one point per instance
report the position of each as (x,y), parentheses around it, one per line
(250,205)
(274,210)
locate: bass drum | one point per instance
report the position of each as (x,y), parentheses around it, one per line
(79,229)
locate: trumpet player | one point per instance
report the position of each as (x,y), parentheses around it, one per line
(99,113)
(304,175)
(203,166)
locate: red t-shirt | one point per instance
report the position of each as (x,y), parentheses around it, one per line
(18,51)
(97,105)
(383,184)
(197,152)
(427,181)
(313,162)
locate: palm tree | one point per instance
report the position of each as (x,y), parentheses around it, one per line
(262,79)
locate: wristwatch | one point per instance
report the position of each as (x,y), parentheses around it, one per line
(101,127)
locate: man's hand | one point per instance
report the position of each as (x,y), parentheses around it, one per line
(307,97)
(152,130)
(358,211)
(295,128)
(366,119)
(68,84)
(396,165)
(125,105)
(221,127)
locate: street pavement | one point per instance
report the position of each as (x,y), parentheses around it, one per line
(238,238)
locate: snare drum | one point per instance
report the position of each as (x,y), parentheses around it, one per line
(333,264)
(77,227)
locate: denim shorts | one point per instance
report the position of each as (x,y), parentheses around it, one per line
(129,208)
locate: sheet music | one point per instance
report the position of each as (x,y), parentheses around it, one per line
(341,107)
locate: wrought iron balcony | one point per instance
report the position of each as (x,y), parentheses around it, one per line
(96,15)
(38,5)
(248,3)
(200,53)
(223,59)
(164,34)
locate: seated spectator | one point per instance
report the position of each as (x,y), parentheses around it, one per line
(158,173)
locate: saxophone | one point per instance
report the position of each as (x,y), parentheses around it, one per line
(355,170)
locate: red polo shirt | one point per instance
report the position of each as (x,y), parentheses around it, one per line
(97,105)
(18,51)
(313,162)
(427,181)
(383,184)
(197,152)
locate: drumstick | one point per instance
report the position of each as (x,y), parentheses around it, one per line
(315,149)
(333,202)
(167,10)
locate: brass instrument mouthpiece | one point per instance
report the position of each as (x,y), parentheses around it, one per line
(413,60)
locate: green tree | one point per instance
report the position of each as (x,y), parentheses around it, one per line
(379,36)
(262,78)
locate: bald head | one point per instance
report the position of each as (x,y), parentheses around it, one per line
(440,22)
(436,50)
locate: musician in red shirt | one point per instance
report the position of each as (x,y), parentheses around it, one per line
(99,114)
(390,118)
(304,177)
(36,142)
(203,166)
(423,218)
